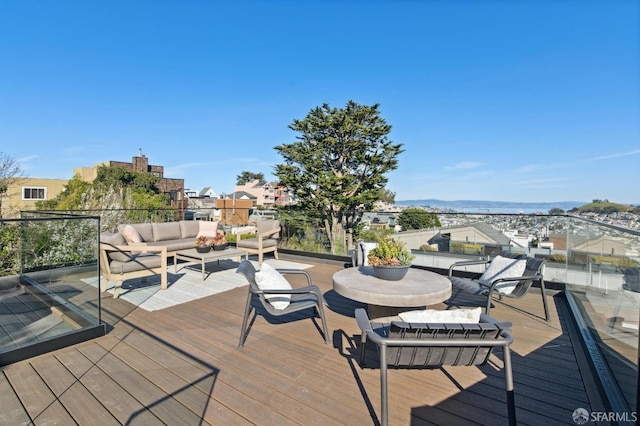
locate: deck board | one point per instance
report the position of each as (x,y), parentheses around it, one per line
(181,365)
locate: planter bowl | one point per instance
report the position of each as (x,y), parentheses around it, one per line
(218,247)
(203,249)
(391,273)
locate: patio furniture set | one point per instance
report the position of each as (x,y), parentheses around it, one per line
(420,338)
(141,250)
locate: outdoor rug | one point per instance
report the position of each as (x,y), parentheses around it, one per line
(187,284)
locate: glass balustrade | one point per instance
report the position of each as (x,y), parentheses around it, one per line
(49,274)
(54,257)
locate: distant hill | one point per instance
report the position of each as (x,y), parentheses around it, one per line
(605,207)
(494,206)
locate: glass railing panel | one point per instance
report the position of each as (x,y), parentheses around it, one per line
(604,276)
(51,278)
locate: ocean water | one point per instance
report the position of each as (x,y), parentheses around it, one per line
(499,207)
(503,210)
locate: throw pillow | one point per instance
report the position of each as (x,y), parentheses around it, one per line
(207,229)
(131,234)
(267,278)
(115,239)
(503,267)
(432,316)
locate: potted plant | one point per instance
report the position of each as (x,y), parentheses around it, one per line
(390,259)
(219,242)
(203,244)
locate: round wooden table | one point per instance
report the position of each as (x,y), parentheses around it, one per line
(419,288)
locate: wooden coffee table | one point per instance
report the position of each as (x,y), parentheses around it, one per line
(192,255)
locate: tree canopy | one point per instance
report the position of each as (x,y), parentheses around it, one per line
(388,196)
(113,188)
(337,166)
(246,177)
(10,172)
(415,218)
(556,210)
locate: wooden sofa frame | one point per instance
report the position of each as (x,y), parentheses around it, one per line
(141,271)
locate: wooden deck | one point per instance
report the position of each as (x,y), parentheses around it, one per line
(182,366)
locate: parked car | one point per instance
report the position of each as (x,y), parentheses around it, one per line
(257,215)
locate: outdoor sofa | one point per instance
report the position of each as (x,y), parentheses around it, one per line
(141,249)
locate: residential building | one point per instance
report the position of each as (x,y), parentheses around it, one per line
(283,196)
(173,187)
(25,192)
(207,192)
(263,192)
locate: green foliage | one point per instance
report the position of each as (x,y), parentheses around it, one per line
(118,176)
(338,164)
(558,257)
(623,262)
(302,232)
(465,248)
(9,249)
(604,207)
(416,218)
(58,242)
(122,195)
(246,177)
(69,199)
(556,210)
(373,234)
(390,252)
(306,239)
(388,196)
(10,173)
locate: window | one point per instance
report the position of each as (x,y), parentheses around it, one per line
(34,193)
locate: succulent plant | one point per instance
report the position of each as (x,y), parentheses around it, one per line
(389,252)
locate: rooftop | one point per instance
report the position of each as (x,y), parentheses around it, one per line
(182,365)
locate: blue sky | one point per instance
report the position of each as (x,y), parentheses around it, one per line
(517,100)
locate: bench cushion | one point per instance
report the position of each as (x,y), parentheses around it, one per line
(174,245)
(267,225)
(253,243)
(189,228)
(166,231)
(451,316)
(137,263)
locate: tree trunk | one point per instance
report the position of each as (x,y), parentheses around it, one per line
(335,232)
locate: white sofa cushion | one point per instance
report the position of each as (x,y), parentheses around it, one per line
(503,267)
(267,278)
(131,234)
(207,229)
(432,316)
